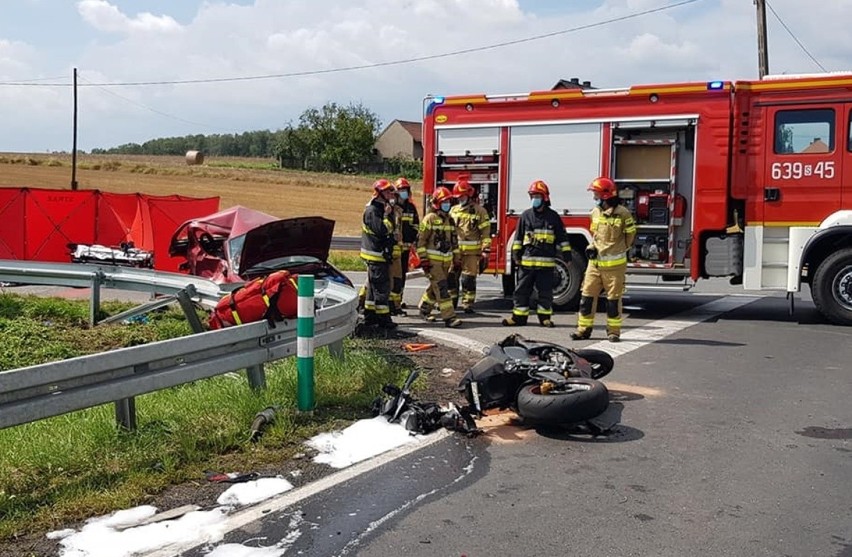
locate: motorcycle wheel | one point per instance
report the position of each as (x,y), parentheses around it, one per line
(581,399)
(602,363)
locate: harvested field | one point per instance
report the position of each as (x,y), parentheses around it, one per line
(253,183)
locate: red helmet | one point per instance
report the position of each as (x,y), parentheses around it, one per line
(382,185)
(402,183)
(540,188)
(463,188)
(441,194)
(603,187)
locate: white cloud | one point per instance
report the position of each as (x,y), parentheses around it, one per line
(700,41)
(103,16)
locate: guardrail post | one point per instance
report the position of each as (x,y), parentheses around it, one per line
(335,349)
(95,299)
(184,298)
(125,413)
(305,344)
(256,377)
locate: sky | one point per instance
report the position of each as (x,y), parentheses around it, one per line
(229,49)
(123,533)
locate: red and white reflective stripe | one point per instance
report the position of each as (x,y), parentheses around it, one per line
(672,195)
(644,142)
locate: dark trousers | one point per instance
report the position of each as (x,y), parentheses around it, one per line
(377,303)
(540,278)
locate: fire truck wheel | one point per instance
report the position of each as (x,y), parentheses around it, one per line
(832,287)
(569,279)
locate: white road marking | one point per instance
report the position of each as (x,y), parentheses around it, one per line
(256,512)
(453,339)
(654,331)
(631,340)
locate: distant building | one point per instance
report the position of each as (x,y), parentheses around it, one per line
(573,83)
(400,139)
(816,146)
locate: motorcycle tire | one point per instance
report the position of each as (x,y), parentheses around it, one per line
(583,400)
(602,363)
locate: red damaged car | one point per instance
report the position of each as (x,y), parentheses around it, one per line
(239,244)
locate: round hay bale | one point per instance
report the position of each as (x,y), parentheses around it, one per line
(194,157)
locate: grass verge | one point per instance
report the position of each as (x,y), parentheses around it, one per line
(346,260)
(66,468)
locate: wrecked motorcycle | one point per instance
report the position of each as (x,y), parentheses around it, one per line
(542,381)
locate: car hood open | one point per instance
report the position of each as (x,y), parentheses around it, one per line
(309,236)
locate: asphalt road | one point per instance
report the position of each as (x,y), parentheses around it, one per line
(734,439)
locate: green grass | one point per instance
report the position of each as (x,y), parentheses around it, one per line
(244,165)
(346,260)
(77,465)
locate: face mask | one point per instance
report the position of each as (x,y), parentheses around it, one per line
(403,194)
(599,202)
(536,202)
(445,206)
(463,201)
(391,201)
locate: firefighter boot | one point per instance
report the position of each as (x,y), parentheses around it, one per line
(612,337)
(514,321)
(385,322)
(546,321)
(581,334)
(453,323)
(370,318)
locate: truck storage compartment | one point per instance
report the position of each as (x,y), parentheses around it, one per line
(724,255)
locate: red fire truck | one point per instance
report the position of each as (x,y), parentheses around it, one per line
(750,180)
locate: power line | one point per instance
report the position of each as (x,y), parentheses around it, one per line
(380,64)
(146,107)
(798,42)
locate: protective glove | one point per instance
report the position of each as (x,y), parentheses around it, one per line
(516,258)
(567,257)
(456,266)
(591,252)
(426,265)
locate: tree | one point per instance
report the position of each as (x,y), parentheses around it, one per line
(331,138)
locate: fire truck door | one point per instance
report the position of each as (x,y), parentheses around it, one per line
(805,151)
(846,174)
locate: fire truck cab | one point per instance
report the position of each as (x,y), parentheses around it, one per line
(750,180)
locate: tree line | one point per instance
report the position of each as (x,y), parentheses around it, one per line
(332,138)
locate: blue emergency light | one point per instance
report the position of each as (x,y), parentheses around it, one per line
(715,85)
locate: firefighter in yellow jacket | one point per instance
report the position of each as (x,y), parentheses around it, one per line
(473,226)
(437,247)
(613,232)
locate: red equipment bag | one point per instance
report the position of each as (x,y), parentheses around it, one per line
(273,297)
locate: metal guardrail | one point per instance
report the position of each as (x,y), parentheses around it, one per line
(36,392)
(346,243)
(207,292)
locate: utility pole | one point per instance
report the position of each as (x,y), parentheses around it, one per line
(762,46)
(74,141)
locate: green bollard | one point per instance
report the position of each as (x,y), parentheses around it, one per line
(305,344)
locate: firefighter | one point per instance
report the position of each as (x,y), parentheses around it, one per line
(377,242)
(396,276)
(539,239)
(473,226)
(410,224)
(437,247)
(613,231)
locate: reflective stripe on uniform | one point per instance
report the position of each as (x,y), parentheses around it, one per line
(521,311)
(372,256)
(527,261)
